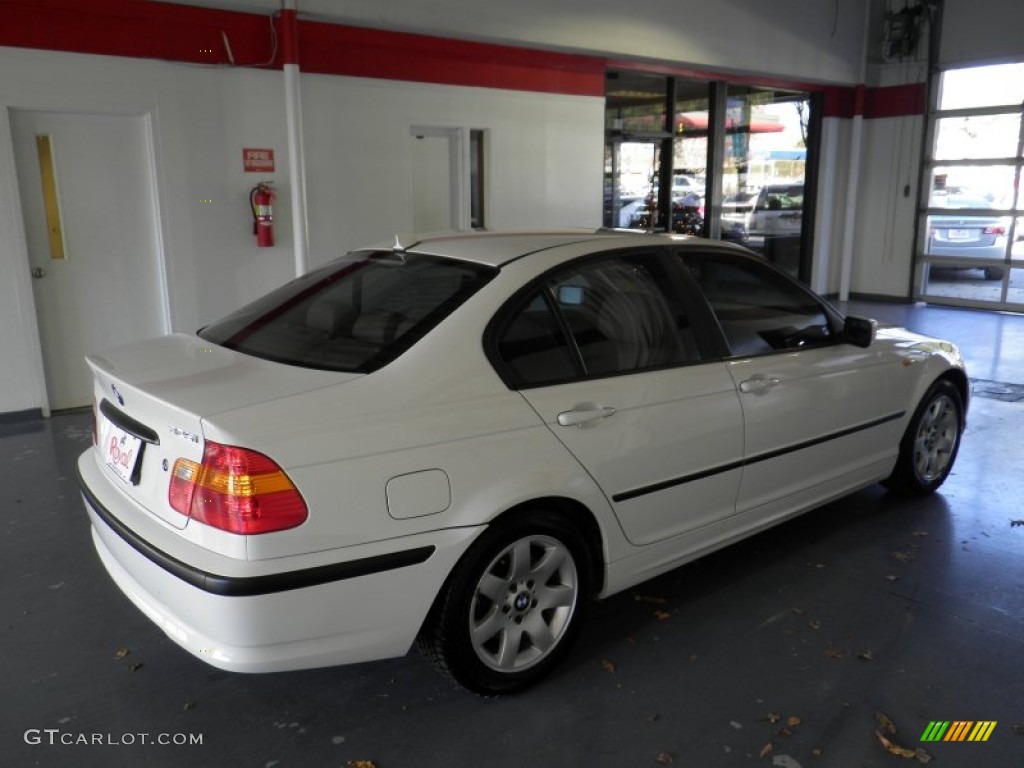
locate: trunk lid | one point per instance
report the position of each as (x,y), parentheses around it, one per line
(151,399)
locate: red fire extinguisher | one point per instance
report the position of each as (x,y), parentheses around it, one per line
(261,198)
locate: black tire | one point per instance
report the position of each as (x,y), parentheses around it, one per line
(994,273)
(512,606)
(931,442)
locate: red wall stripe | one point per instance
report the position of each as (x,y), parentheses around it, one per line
(874,103)
(142,29)
(340,50)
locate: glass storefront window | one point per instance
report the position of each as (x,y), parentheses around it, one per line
(660,132)
(764,171)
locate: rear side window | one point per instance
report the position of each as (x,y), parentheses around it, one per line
(759,310)
(597,318)
(355,314)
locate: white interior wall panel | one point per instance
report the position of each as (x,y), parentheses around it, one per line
(546,160)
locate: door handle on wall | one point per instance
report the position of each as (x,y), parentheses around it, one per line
(583,414)
(38,273)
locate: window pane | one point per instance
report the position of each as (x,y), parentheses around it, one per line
(758,310)
(635,103)
(621,319)
(534,347)
(982,87)
(967,235)
(977,136)
(1016,295)
(970,186)
(966,283)
(631,184)
(765,156)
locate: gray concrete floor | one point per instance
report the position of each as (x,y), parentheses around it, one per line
(874,604)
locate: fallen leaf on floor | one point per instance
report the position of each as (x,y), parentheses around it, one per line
(189,705)
(664,758)
(361,764)
(120,653)
(903,557)
(814,624)
(793,721)
(893,748)
(922,756)
(816,752)
(646,599)
(784,732)
(608,666)
(135,667)
(662,615)
(892,578)
(866,655)
(767,749)
(773,717)
(887,725)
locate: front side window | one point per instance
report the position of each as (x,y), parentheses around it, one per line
(596,318)
(356,314)
(759,310)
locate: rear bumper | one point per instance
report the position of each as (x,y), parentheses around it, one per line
(367,604)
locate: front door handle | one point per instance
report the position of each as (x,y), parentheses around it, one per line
(584,413)
(757,385)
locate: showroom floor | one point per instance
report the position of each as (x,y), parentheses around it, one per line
(790,649)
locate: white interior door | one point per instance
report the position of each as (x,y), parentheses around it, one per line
(106,287)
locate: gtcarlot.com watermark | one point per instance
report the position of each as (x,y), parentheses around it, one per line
(57,737)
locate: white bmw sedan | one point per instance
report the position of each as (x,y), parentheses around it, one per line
(463,440)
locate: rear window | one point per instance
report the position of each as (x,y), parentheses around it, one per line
(356,314)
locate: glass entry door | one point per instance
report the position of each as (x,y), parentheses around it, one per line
(631,184)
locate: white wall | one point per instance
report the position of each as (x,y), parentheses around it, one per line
(545,154)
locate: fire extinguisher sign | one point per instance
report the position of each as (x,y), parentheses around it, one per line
(258,160)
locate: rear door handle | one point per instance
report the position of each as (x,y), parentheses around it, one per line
(757,384)
(584,413)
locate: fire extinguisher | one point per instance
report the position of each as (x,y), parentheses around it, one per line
(261,199)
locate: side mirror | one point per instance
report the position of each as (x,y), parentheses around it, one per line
(859,331)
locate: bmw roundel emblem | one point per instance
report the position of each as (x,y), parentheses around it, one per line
(120,399)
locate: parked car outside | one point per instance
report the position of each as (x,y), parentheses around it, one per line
(967,236)
(461,441)
(776,210)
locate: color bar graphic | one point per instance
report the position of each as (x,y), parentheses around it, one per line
(958,730)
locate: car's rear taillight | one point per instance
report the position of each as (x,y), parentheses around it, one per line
(994,230)
(236,490)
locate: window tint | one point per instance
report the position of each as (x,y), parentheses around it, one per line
(353,314)
(618,314)
(758,309)
(533,345)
